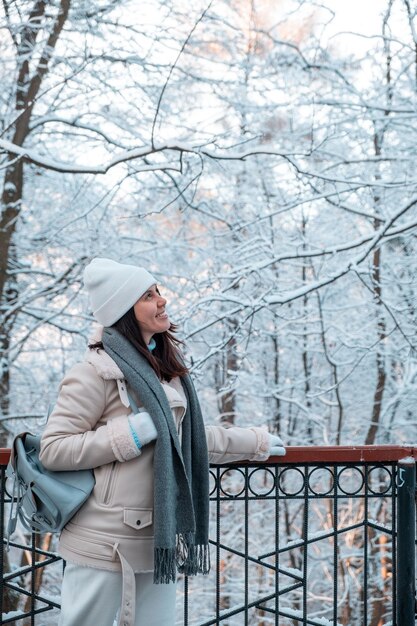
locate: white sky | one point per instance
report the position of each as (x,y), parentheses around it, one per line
(356,15)
(362,17)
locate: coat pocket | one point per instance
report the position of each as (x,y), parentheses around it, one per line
(107,487)
(137,518)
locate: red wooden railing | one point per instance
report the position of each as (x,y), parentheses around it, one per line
(323,454)
(346,454)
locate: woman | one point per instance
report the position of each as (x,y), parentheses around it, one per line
(147,517)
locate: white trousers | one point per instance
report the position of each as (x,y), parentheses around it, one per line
(92,597)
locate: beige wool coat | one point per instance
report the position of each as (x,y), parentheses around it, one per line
(88,428)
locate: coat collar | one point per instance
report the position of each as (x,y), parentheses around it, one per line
(105,366)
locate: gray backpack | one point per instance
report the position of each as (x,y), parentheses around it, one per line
(43,500)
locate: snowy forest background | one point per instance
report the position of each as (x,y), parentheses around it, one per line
(258,158)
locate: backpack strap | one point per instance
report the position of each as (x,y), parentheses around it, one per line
(17,490)
(132,403)
(126,397)
(15,503)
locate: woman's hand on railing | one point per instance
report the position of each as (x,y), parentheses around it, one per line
(276,446)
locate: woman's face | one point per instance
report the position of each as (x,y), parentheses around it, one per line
(150,313)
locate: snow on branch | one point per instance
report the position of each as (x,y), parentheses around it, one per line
(129,155)
(351,265)
(72,168)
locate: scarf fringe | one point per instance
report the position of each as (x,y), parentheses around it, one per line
(186,558)
(197,562)
(165,570)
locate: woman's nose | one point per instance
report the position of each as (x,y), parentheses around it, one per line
(162,301)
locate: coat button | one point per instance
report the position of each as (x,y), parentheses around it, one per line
(138,522)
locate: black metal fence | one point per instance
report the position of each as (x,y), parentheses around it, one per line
(22,569)
(323,537)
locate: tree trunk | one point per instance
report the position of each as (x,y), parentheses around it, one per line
(305,356)
(379,134)
(380,356)
(27,89)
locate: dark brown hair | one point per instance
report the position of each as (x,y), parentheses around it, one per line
(165,358)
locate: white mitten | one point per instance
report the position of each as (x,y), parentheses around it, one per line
(276,446)
(142,428)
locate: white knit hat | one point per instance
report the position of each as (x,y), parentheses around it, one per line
(114,288)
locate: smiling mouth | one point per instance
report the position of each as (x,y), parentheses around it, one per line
(162,315)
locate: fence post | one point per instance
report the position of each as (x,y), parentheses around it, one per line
(406,526)
(2,477)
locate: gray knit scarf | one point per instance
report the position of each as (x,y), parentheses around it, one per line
(181,470)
